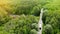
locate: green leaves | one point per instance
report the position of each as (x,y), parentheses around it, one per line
(48,29)
(22,25)
(27,23)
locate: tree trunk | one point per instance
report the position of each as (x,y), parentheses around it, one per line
(40,23)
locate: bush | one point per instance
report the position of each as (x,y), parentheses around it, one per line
(48,29)
(4,19)
(33,31)
(21,25)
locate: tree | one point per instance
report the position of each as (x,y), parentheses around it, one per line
(48,29)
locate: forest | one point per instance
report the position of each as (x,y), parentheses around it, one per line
(22,16)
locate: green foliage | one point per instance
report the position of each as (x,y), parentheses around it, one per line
(52,16)
(33,31)
(4,19)
(22,25)
(13,22)
(3,32)
(26,6)
(48,29)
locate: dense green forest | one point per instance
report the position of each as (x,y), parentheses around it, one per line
(22,16)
